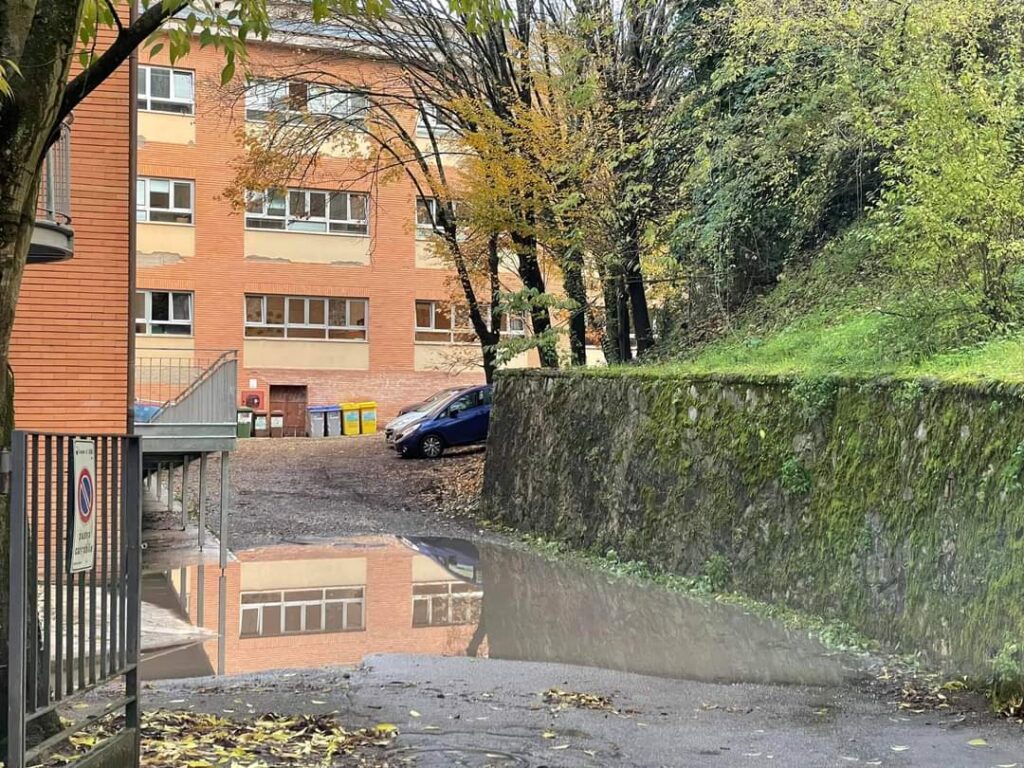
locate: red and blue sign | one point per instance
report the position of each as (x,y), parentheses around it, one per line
(82,503)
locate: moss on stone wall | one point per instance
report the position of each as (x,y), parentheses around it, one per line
(896,505)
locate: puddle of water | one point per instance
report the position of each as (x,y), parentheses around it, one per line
(333,604)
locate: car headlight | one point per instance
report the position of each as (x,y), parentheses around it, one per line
(406,432)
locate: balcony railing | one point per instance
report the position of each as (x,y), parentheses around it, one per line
(53,237)
(197,388)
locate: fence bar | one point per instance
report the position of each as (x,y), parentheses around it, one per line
(16,630)
(125,567)
(115,548)
(58,592)
(225,505)
(133,536)
(32,549)
(69,629)
(105,544)
(47,553)
(184,494)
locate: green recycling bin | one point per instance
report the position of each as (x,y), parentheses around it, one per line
(244,422)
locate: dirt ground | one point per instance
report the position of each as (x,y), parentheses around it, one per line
(290,489)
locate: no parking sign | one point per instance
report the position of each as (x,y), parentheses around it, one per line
(82,506)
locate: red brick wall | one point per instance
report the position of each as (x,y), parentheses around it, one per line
(69,349)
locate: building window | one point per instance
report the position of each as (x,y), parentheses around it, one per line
(163,89)
(294,98)
(446,604)
(167,201)
(448,323)
(305,210)
(303,611)
(429,122)
(428,221)
(163,313)
(305,317)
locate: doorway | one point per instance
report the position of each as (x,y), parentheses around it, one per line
(291,400)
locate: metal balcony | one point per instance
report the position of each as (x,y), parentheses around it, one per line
(53,239)
(185,402)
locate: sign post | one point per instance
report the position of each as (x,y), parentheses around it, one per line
(82,487)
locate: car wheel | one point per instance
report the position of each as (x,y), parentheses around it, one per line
(431,447)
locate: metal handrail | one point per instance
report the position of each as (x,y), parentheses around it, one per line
(54,202)
(168,382)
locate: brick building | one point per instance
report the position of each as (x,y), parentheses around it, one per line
(70,345)
(328,290)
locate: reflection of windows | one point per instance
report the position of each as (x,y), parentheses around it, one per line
(429,122)
(266,98)
(446,603)
(163,200)
(333,609)
(305,317)
(163,312)
(305,210)
(162,89)
(433,321)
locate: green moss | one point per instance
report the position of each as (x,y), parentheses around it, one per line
(894,506)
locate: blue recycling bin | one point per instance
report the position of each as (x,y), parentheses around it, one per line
(316,420)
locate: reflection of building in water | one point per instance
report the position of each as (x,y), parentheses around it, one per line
(307,606)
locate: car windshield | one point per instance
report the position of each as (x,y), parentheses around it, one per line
(441,405)
(436,398)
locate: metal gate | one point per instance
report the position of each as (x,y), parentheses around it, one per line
(72,632)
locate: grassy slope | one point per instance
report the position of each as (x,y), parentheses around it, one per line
(832,319)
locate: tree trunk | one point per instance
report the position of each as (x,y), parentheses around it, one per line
(610,342)
(532,277)
(576,289)
(637,292)
(622,308)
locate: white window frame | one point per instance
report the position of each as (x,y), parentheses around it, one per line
(284,604)
(429,124)
(172,320)
(471,596)
(291,223)
(267,97)
(145,100)
(327,327)
(144,210)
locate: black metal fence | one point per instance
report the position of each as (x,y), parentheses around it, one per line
(75,580)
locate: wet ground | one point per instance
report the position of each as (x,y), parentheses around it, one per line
(367,602)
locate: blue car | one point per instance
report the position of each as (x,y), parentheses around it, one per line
(462,420)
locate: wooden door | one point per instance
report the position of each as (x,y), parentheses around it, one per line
(291,401)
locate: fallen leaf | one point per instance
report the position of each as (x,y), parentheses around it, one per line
(413,713)
(977,743)
(548,734)
(898,748)
(561,746)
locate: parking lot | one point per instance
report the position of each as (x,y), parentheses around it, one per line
(288,489)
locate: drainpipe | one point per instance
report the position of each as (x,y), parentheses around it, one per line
(133,121)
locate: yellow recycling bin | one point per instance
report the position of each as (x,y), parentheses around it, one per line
(368,417)
(350,418)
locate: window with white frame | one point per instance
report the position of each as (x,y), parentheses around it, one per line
(305,317)
(450,323)
(165,89)
(303,611)
(163,313)
(308,210)
(288,98)
(445,604)
(167,201)
(429,122)
(428,219)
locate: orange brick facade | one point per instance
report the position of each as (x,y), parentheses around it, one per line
(219,274)
(69,349)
